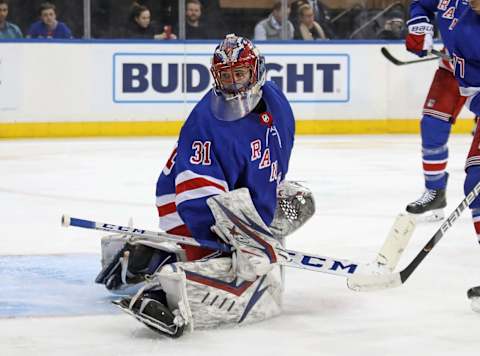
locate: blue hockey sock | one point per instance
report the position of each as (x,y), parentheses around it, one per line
(435,134)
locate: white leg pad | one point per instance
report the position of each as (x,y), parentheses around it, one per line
(208,294)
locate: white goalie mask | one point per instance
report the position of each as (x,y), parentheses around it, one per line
(239,72)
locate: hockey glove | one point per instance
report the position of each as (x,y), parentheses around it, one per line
(420,36)
(255,251)
(258,259)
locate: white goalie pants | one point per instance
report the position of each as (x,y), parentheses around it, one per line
(207,294)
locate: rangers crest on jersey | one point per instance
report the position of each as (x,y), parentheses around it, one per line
(266,119)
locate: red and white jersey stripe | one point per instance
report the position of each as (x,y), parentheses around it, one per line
(190,185)
(167,212)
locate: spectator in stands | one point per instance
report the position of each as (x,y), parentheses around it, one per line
(194,29)
(394,27)
(320,13)
(48,26)
(7,29)
(140,25)
(271,27)
(308,28)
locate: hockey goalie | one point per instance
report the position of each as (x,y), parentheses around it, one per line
(224,181)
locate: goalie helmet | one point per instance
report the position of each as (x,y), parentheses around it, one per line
(238,71)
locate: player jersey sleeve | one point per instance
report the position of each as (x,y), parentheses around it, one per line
(424,9)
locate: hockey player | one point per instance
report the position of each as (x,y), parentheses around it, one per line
(466,58)
(443,102)
(220,182)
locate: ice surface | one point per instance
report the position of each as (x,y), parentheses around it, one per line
(360,183)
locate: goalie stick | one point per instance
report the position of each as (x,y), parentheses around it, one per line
(364,283)
(437,54)
(388,255)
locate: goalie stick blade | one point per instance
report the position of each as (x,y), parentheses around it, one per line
(377,281)
(396,241)
(388,256)
(368,283)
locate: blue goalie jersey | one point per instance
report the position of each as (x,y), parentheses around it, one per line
(214,156)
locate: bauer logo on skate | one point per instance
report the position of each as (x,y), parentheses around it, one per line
(179,78)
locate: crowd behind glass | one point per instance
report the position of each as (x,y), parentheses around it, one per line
(204,19)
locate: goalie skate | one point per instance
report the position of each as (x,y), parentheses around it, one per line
(429,207)
(149,310)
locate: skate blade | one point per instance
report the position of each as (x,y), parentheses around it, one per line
(429,216)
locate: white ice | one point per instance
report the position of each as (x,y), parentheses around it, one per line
(360,184)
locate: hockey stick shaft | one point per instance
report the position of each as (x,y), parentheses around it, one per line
(390,280)
(301,260)
(440,54)
(447,224)
(386,53)
(142,233)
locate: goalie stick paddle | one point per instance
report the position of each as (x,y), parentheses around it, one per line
(363,283)
(393,246)
(437,54)
(396,241)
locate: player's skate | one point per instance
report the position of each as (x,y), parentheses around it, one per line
(430,205)
(474,295)
(150,309)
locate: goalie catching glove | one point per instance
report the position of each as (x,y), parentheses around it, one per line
(295,205)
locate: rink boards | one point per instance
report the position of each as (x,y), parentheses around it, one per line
(127,88)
